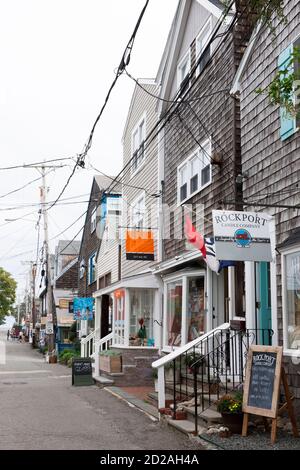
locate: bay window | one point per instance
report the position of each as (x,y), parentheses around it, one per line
(291,299)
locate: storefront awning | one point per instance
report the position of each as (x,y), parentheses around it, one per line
(292,239)
(179,260)
(142,281)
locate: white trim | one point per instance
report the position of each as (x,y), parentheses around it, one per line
(196,152)
(185,58)
(178,260)
(284,254)
(292,353)
(141,81)
(182,349)
(209,21)
(209,299)
(182,276)
(273,281)
(250,295)
(231,292)
(139,197)
(236,85)
(142,119)
(216,11)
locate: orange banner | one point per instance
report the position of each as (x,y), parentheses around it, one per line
(139,245)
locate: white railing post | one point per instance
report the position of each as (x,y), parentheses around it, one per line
(96,370)
(82,349)
(161,387)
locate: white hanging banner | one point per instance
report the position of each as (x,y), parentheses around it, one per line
(242,236)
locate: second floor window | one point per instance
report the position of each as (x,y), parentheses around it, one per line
(183,71)
(138,212)
(93,220)
(201,43)
(138,139)
(194,174)
(92,268)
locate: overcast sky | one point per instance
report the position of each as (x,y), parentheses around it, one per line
(57,62)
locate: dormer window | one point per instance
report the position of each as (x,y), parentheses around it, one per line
(183,71)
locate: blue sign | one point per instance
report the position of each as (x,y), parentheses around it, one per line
(83,308)
(242,238)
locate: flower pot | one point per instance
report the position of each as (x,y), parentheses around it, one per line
(233,421)
(179,414)
(110,364)
(165,411)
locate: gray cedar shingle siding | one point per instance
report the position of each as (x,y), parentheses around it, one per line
(272,165)
(219,117)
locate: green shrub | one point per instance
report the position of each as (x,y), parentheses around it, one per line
(109,352)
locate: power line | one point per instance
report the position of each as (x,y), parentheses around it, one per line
(125,60)
(28,165)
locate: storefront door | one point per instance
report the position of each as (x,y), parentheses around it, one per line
(263,302)
(119,317)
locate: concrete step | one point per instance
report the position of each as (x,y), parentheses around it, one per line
(209,416)
(184,426)
(102,381)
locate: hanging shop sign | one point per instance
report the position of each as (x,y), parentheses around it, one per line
(242,236)
(83,308)
(139,245)
(49,328)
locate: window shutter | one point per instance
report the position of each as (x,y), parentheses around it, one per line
(288,122)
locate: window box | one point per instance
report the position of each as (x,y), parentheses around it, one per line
(110,361)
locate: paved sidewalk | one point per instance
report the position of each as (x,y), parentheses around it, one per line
(40,409)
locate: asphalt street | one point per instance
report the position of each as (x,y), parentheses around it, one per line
(41,410)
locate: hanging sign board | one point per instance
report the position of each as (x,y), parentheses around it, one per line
(49,328)
(242,236)
(83,308)
(139,245)
(263,373)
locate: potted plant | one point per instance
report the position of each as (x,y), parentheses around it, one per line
(194,361)
(142,334)
(231,409)
(110,361)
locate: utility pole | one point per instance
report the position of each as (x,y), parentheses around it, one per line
(49,303)
(51,317)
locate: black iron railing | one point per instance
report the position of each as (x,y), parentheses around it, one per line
(214,367)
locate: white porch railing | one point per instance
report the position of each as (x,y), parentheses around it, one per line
(88,343)
(101,344)
(162,362)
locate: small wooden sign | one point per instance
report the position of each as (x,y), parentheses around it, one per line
(264,374)
(261,390)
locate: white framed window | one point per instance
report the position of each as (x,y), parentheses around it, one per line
(93,220)
(183,71)
(137,145)
(92,268)
(291,299)
(138,212)
(185,316)
(194,174)
(201,43)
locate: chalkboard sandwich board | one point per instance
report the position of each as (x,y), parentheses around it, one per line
(82,371)
(261,389)
(264,374)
